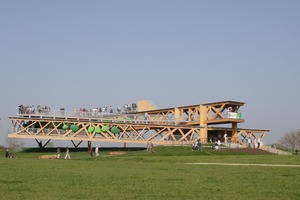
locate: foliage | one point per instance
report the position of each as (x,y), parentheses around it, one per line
(280,147)
(14,143)
(291,140)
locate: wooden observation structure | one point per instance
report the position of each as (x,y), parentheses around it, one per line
(169,126)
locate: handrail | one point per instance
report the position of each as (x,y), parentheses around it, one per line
(103,118)
(69,113)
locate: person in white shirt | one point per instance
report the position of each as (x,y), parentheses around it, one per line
(225,138)
(255,143)
(58,153)
(97,151)
(249,142)
(67,153)
(258,142)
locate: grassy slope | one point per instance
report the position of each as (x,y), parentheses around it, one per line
(162,175)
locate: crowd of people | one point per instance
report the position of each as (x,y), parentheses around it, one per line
(197,145)
(22,109)
(257,142)
(127,108)
(32,109)
(90,150)
(67,156)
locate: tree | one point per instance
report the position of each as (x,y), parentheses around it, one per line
(14,142)
(291,140)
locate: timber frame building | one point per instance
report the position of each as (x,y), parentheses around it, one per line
(170,126)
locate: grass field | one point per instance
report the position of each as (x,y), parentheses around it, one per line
(137,175)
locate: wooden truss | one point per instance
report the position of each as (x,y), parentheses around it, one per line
(171,126)
(163,134)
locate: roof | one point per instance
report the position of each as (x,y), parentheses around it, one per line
(230,103)
(238,103)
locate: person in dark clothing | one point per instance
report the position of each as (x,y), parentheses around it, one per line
(6,153)
(91,151)
(199,145)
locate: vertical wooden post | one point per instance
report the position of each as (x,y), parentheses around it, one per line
(234,131)
(203,118)
(177,115)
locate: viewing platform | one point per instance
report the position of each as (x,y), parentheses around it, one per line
(140,124)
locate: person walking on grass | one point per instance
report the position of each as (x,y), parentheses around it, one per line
(97,151)
(199,145)
(6,154)
(150,147)
(67,153)
(58,152)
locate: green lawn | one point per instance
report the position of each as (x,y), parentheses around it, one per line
(162,175)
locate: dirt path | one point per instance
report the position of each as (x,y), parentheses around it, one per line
(241,164)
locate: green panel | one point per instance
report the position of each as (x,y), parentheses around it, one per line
(65,127)
(74,127)
(104,128)
(91,129)
(97,129)
(115,130)
(239,115)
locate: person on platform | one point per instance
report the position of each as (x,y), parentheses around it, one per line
(146,116)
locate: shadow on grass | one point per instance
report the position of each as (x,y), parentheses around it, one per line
(84,149)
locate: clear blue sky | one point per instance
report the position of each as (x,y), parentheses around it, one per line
(92,53)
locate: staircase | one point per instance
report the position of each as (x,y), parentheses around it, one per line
(275,151)
(264,147)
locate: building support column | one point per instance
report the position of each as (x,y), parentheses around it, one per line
(203,118)
(234,132)
(177,115)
